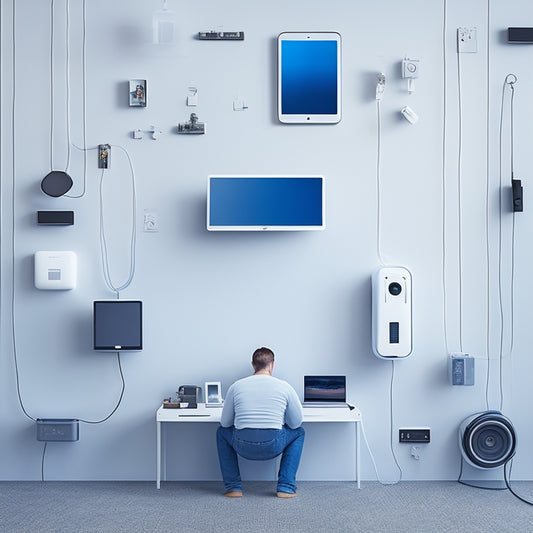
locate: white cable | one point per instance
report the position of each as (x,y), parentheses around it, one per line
(84,103)
(500,183)
(459,196)
(510,80)
(103,243)
(13,206)
(52,84)
(52,73)
(391,439)
(380,90)
(370,453)
(487,196)
(67,81)
(378,181)
(392,422)
(444,129)
(511,333)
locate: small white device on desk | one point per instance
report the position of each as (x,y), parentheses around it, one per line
(213,394)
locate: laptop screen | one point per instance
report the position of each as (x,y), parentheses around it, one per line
(324,388)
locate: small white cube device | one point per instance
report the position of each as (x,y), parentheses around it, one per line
(213,395)
(55,270)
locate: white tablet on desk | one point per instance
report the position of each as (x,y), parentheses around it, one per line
(213,394)
(309,77)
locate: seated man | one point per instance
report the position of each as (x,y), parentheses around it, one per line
(261,419)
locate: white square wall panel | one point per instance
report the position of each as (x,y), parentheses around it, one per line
(55,270)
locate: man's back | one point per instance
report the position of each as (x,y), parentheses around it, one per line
(261,401)
(261,419)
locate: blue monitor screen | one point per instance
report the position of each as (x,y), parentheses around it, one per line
(261,202)
(117,325)
(309,79)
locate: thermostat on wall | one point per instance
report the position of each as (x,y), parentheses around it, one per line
(55,270)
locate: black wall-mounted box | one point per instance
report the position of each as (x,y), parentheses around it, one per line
(58,429)
(520,35)
(414,435)
(55,218)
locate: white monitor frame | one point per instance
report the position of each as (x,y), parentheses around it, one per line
(210,397)
(310,97)
(217,227)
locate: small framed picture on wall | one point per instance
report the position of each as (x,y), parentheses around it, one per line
(137,91)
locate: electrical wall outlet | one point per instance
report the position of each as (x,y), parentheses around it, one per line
(410,68)
(104,154)
(414,435)
(467,40)
(151,221)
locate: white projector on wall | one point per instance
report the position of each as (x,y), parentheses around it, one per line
(391,313)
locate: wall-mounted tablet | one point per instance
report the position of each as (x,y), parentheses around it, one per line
(117,325)
(257,203)
(309,77)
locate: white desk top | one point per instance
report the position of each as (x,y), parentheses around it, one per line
(213,414)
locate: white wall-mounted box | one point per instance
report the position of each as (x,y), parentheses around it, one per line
(55,270)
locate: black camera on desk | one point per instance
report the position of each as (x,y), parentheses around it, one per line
(189,394)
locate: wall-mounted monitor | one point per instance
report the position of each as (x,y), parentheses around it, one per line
(258,203)
(117,325)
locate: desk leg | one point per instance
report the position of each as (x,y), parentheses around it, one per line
(357,456)
(158,475)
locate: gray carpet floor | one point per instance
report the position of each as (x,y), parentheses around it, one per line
(319,507)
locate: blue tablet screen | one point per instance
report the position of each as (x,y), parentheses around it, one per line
(309,77)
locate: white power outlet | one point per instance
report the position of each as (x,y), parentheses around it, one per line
(151,221)
(467,40)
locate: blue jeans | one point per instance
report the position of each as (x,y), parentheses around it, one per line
(260,445)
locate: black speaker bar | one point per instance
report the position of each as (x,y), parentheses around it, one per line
(55,218)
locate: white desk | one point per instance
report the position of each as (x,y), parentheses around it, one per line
(212,414)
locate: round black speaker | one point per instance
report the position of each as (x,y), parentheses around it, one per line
(487,440)
(56,183)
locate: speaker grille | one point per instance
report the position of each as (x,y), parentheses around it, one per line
(489,440)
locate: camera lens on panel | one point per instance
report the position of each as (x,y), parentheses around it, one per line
(395,288)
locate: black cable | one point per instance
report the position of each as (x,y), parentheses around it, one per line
(459,480)
(119,400)
(42,461)
(508,481)
(91,421)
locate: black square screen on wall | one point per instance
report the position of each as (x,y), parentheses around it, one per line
(117,325)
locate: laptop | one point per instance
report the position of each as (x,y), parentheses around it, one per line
(324,391)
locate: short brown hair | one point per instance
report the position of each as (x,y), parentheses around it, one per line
(261,358)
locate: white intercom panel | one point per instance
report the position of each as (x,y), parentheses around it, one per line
(55,270)
(391,313)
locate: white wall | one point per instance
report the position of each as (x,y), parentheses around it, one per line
(211,299)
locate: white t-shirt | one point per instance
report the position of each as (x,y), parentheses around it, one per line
(263,402)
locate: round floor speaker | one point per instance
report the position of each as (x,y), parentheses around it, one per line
(487,440)
(56,183)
